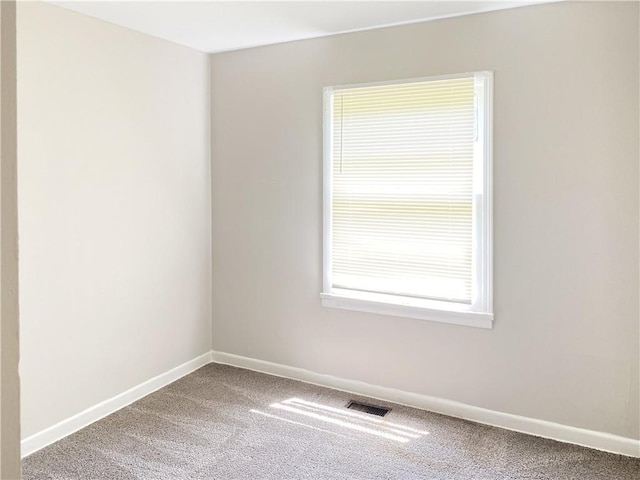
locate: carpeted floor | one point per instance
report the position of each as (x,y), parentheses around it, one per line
(222,423)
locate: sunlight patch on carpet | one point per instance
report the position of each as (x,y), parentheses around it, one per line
(346,419)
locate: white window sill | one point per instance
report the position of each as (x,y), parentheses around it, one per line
(456,314)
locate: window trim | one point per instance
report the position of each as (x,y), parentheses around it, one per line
(480,312)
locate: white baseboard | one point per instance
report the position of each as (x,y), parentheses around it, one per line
(66,427)
(531,426)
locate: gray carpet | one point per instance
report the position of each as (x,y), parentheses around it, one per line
(222,422)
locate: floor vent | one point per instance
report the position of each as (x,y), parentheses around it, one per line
(371,409)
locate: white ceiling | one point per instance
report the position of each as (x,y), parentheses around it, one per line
(217,26)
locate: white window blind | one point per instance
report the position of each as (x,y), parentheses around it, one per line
(405,169)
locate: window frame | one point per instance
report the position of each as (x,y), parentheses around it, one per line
(480,312)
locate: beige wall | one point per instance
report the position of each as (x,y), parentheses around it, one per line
(565,343)
(9,380)
(114,199)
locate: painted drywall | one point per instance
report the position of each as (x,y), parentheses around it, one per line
(9,343)
(114,207)
(564,347)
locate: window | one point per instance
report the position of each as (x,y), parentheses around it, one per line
(407,198)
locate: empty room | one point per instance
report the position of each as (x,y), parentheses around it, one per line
(320,240)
